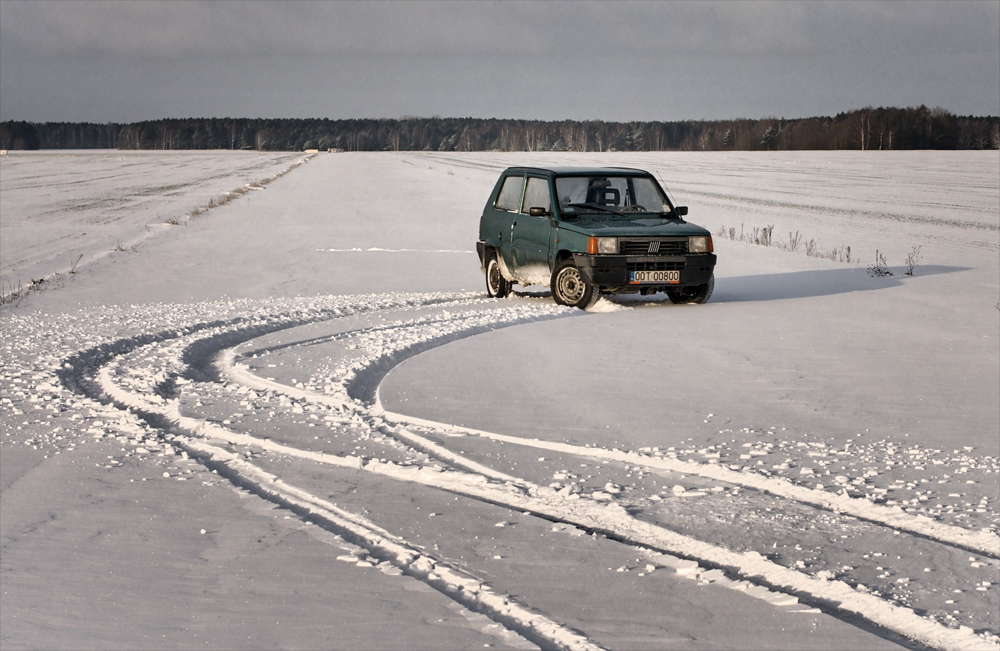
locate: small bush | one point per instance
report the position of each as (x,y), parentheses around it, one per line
(762,236)
(912,260)
(13,294)
(880,269)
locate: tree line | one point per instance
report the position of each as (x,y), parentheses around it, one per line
(867,128)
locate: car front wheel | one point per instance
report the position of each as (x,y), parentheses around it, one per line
(496,285)
(696,294)
(570,288)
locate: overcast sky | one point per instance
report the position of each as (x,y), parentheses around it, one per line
(127,61)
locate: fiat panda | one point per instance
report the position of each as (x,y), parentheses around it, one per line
(591,231)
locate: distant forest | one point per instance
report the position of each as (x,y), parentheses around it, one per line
(868,128)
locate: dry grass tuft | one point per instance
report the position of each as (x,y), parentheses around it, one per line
(764,236)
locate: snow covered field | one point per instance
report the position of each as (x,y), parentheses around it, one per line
(295,421)
(64,209)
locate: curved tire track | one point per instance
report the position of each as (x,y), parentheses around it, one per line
(834,597)
(87,373)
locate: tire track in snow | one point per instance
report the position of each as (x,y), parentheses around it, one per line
(835,597)
(189,435)
(983,542)
(228,368)
(611,520)
(364,387)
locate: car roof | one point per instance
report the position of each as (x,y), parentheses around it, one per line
(582,171)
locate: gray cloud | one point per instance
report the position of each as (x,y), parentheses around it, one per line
(612,60)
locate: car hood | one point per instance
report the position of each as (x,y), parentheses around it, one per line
(630,226)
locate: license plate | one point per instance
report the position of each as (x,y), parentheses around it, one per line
(636,277)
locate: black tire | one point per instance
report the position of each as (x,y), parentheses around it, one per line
(496,285)
(697,294)
(570,288)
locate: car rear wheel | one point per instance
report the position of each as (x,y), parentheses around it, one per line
(696,294)
(496,285)
(570,288)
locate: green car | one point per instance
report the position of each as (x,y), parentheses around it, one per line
(591,231)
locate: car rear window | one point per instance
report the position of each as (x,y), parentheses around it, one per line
(510,194)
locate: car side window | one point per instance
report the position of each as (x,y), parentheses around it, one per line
(510,194)
(537,195)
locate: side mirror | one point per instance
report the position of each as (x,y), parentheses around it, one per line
(681,210)
(538,212)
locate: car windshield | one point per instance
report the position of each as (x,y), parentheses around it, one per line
(610,194)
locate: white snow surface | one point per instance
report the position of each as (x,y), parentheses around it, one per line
(64,209)
(808,461)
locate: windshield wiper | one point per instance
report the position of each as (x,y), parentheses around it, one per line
(593,206)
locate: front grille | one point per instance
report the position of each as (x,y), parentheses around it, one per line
(654,266)
(653,247)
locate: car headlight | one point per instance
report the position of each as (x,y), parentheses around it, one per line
(700,244)
(602,245)
(606,245)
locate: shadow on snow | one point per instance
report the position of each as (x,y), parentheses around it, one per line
(796,284)
(807,284)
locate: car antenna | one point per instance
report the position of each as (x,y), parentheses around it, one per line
(664,184)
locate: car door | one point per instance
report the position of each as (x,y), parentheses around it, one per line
(504,213)
(531,234)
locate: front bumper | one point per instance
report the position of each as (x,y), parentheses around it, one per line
(611,272)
